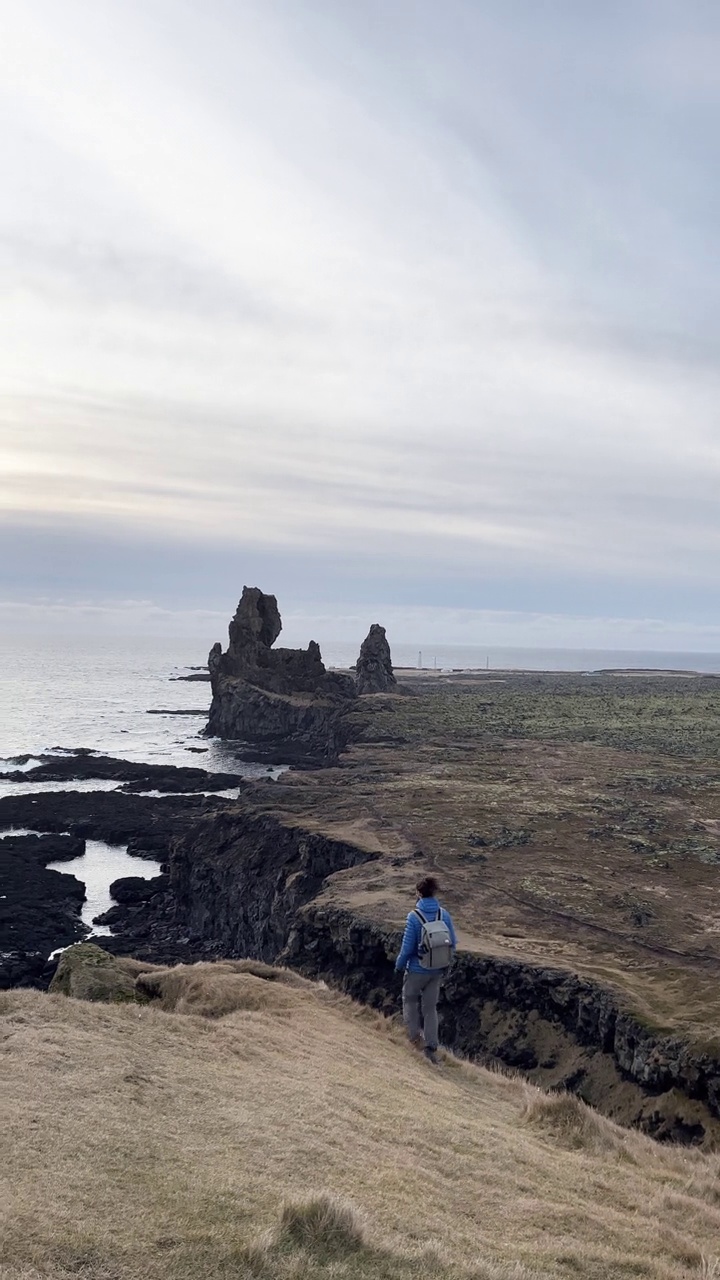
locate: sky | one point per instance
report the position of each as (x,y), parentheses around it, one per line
(406,312)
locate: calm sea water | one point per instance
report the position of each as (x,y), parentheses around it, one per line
(452,657)
(98,867)
(97,692)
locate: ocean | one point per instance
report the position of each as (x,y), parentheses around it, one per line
(96,693)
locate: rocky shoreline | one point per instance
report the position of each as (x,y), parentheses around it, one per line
(41,908)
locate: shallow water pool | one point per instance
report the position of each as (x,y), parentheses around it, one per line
(97,868)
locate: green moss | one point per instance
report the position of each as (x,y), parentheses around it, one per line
(86,972)
(674,716)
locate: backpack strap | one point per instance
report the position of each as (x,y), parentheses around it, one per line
(419,913)
(439,914)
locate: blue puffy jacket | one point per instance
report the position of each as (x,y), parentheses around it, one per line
(408,957)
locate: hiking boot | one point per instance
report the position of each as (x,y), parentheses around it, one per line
(431,1055)
(418,1042)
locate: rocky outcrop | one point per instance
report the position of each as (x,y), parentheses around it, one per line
(282,703)
(129,890)
(251,657)
(132,776)
(373,669)
(234,886)
(128,893)
(85,972)
(26,969)
(147,824)
(39,909)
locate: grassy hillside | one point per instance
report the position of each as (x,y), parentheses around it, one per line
(292,1134)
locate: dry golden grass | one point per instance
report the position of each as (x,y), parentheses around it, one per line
(299,1136)
(215,990)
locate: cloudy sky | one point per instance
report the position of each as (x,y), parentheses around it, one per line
(406,311)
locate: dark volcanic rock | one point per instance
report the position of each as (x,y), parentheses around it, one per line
(374,672)
(283,730)
(147,824)
(136,777)
(131,889)
(132,895)
(234,885)
(281,701)
(176,711)
(26,969)
(39,909)
(250,656)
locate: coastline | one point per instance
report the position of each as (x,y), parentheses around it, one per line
(562,816)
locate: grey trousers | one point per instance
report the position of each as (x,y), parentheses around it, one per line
(419,998)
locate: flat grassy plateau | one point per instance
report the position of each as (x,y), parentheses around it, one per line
(574,821)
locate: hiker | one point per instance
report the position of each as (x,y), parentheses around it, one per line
(426,953)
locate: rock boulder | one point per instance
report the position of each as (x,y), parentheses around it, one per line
(373,669)
(88,973)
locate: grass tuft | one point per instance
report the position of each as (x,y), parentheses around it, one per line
(216,990)
(571,1123)
(323,1224)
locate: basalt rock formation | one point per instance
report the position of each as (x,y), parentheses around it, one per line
(281,702)
(39,909)
(131,776)
(373,669)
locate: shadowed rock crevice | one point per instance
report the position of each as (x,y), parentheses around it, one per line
(234,886)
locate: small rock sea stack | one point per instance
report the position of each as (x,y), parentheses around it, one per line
(373,669)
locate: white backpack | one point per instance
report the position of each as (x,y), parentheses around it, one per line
(435,946)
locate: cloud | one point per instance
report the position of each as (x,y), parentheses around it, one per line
(426,288)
